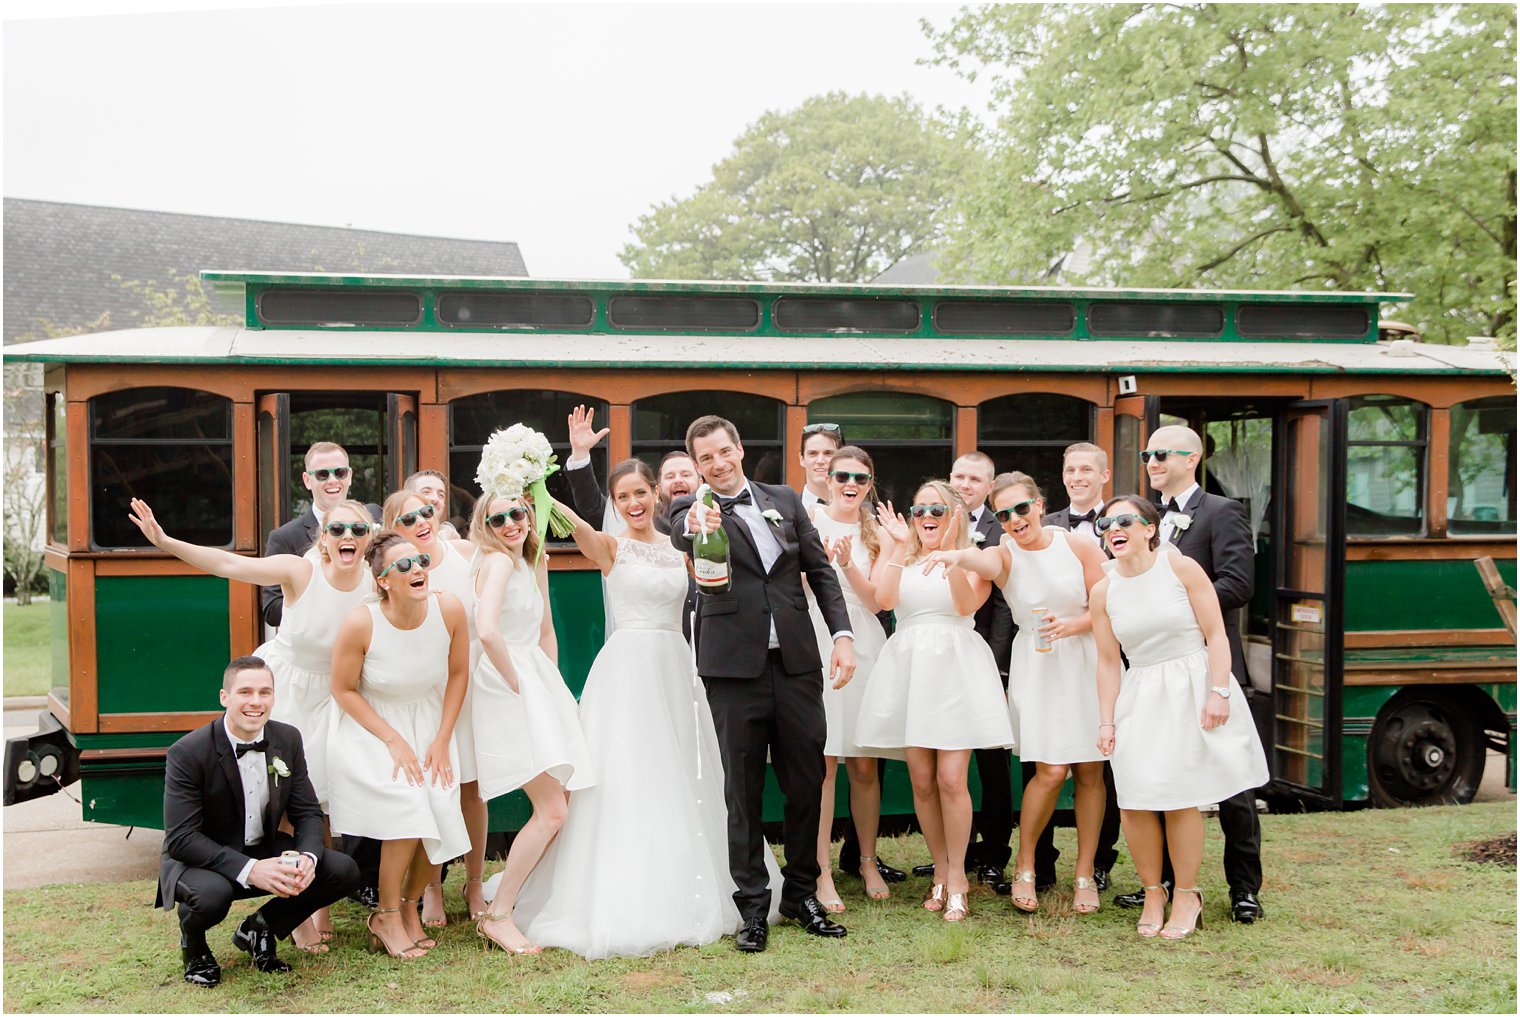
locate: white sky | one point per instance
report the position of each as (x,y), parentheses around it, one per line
(555,126)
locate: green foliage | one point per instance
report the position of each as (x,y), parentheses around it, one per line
(28,654)
(838,190)
(181,302)
(1254,146)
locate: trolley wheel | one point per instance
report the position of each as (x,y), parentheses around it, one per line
(1424,750)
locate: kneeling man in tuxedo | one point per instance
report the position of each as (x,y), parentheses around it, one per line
(227,786)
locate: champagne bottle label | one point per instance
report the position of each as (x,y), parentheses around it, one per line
(710,573)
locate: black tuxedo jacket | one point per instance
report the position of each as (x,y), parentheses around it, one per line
(733,628)
(994,622)
(295,537)
(203,805)
(1219,539)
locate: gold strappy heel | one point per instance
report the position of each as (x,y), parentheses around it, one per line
(1028,904)
(378,945)
(1176,931)
(476,916)
(936,899)
(868,864)
(426,942)
(959,908)
(1150,929)
(490,941)
(1083,883)
(436,923)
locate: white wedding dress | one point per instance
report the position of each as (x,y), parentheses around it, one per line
(641,864)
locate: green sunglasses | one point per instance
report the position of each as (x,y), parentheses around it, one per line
(409,519)
(516,513)
(404,565)
(1020,509)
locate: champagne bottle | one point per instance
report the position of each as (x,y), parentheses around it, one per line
(709,553)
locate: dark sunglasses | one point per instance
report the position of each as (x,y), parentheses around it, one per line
(337,471)
(833,429)
(338,529)
(410,519)
(919,511)
(517,514)
(843,477)
(1021,509)
(1123,521)
(404,565)
(1160,454)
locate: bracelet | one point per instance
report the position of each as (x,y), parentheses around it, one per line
(894,565)
(1102,726)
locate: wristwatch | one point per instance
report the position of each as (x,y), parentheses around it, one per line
(1222,691)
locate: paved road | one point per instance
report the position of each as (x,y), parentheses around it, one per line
(46,841)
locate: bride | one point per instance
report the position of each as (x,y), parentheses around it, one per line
(641,864)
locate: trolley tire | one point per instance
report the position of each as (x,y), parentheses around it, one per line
(1426,748)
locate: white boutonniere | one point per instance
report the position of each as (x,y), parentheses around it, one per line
(278,769)
(978,536)
(771,516)
(1181,521)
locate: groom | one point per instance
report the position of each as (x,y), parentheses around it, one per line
(758,656)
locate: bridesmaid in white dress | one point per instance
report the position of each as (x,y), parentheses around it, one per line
(416,517)
(1052,684)
(389,661)
(852,540)
(320,589)
(1176,722)
(641,864)
(935,691)
(528,715)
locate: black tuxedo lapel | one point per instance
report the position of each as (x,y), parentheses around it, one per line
(764,503)
(226,759)
(277,786)
(734,525)
(1179,535)
(986,525)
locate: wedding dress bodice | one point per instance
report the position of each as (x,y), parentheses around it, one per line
(647,585)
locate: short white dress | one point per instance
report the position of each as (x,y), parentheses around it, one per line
(841,707)
(1052,696)
(453,575)
(1163,758)
(641,864)
(400,681)
(300,656)
(935,684)
(536,729)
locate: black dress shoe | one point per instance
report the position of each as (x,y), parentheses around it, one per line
(1137,899)
(201,968)
(752,937)
(1100,879)
(892,875)
(813,918)
(366,895)
(990,875)
(254,938)
(923,871)
(1245,908)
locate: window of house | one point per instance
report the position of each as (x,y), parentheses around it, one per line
(1480,489)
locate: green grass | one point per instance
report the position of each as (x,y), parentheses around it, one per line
(1368,911)
(28,657)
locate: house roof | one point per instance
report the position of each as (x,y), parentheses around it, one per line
(60,258)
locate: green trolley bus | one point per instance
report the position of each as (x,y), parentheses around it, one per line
(1374,469)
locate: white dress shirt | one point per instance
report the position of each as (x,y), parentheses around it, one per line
(254,769)
(1085,526)
(1169,521)
(809,499)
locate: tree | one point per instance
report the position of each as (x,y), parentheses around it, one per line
(25,492)
(1316,146)
(838,190)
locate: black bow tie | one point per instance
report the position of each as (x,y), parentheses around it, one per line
(742,498)
(262,745)
(1074,520)
(1170,505)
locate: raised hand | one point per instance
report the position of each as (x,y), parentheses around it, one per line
(146,522)
(699,512)
(892,523)
(842,551)
(583,435)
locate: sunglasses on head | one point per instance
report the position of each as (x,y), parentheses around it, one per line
(516,513)
(338,529)
(919,511)
(404,565)
(1020,509)
(844,477)
(409,519)
(1124,521)
(1160,454)
(337,471)
(833,429)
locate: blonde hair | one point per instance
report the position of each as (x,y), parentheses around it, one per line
(1087,446)
(359,509)
(1014,478)
(487,539)
(953,540)
(321,448)
(394,506)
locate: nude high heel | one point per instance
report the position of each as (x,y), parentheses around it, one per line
(1150,929)
(1176,931)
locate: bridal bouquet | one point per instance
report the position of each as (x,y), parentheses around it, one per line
(518,461)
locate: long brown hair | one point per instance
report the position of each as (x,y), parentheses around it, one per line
(953,540)
(870,536)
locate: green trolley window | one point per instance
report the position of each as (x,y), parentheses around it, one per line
(1029,432)
(57,466)
(660,422)
(1481,486)
(910,437)
(1156,320)
(1385,466)
(171,447)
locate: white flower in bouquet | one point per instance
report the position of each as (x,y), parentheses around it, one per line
(516,461)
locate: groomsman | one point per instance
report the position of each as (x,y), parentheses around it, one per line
(819,443)
(1084,474)
(992,827)
(227,786)
(1215,532)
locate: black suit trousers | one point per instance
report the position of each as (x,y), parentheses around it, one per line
(781,715)
(205,896)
